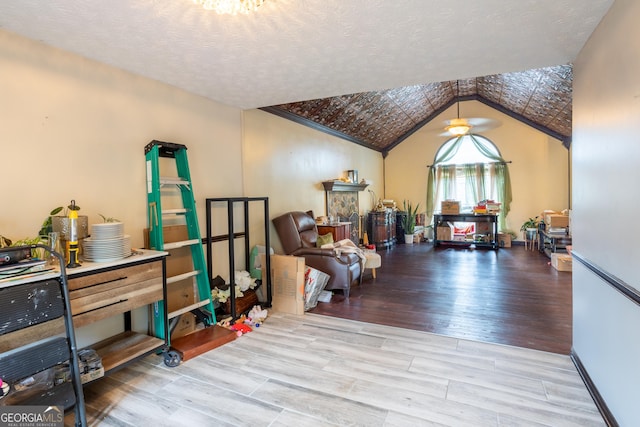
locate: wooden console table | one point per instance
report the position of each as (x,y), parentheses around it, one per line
(101,290)
(470,217)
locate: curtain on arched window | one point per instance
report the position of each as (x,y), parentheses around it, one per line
(476,181)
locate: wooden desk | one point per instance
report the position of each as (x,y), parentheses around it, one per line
(339,230)
(470,217)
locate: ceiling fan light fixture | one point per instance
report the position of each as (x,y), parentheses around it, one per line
(458,130)
(458,127)
(230,7)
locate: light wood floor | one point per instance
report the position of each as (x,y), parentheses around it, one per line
(317,370)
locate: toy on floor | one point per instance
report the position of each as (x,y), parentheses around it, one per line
(244,323)
(226,322)
(240,327)
(256,316)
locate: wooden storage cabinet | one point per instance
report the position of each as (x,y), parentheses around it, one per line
(381,227)
(101,290)
(105,294)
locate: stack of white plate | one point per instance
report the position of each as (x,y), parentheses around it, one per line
(107,243)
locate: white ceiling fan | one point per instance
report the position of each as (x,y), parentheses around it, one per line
(462,126)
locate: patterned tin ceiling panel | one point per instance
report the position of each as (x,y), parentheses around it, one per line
(380,120)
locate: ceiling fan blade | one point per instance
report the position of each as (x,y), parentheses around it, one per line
(483,124)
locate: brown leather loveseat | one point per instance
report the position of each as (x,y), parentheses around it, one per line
(298,234)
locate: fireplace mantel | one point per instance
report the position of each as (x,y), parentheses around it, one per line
(343,186)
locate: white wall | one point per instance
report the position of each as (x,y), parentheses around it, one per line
(539,170)
(606,155)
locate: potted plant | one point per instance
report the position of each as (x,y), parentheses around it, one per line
(530,228)
(60,223)
(409,221)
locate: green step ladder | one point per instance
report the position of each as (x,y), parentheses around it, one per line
(156,184)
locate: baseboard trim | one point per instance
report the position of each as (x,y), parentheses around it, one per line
(608,417)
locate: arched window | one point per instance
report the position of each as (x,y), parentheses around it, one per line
(469,168)
(465,151)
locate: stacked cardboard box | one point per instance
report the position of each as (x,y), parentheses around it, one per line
(450,207)
(561,262)
(556,220)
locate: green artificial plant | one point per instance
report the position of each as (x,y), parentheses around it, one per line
(409,220)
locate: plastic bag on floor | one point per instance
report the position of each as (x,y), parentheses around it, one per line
(314,283)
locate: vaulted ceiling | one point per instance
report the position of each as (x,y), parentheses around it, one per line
(370,71)
(380,120)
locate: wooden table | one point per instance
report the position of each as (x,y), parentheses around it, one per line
(99,290)
(470,217)
(339,230)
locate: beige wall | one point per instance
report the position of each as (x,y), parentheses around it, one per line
(76,129)
(539,172)
(288,162)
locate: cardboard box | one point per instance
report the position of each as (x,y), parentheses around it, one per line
(444,233)
(287,281)
(186,325)
(182,293)
(504,240)
(556,220)
(459,237)
(450,207)
(484,227)
(561,262)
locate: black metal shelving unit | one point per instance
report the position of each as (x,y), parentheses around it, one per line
(232,235)
(30,306)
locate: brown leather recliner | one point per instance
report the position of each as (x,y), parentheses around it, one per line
(298,234)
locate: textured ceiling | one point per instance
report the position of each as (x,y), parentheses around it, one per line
(381,120)
(296,50)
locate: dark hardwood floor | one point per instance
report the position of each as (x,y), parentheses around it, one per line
(510,296)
